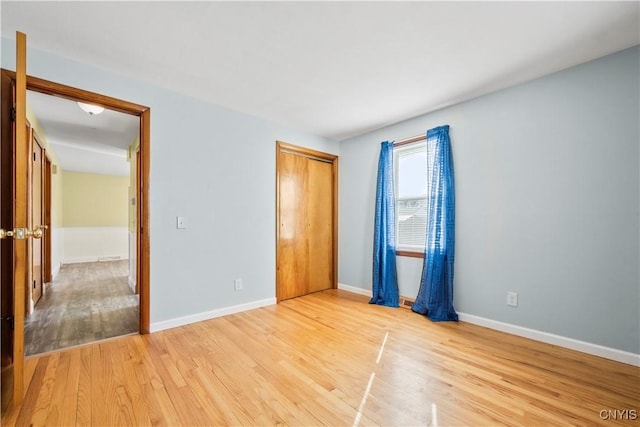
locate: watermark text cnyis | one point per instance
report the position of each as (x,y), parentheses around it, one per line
(619,414)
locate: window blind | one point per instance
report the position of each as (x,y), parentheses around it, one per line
(411,167)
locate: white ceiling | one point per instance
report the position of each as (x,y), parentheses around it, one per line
(336,69)
(82,142)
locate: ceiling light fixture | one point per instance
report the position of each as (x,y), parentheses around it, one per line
(91,109)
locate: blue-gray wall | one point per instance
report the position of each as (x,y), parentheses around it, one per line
(214,166)
(547,192)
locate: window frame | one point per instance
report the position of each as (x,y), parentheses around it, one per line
(405,250)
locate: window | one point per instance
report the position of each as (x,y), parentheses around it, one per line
(411,164)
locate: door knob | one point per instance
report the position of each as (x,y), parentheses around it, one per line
(23,233)
(39,231)
(5,233)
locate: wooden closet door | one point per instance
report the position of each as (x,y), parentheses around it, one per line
(306,215)
(294,250)
(319,201)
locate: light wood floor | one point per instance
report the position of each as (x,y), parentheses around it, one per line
(325,359)
(85,303)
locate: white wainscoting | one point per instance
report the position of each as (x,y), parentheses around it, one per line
(57,250)
(132,260)
(91,244)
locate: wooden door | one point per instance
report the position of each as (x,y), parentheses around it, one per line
(6,245)
(307,214)
(37,217)
(293,246)
(15,216)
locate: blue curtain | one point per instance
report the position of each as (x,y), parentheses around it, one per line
(435,297)
(385,278)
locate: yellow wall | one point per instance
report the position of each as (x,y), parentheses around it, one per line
(56,179)
(92,200)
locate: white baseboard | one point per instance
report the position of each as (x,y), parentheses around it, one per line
(93,258)
(354,289)
(193,318)
(570,343)
(132,260)
(56,270)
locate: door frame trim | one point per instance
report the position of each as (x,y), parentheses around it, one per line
(47,274)
(282,148)
(37,84)
(33,141)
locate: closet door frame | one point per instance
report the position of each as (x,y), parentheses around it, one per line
(286,148)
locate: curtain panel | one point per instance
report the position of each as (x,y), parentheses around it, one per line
(435,296)
(385,278)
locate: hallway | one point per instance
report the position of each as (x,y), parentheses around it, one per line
(87,302)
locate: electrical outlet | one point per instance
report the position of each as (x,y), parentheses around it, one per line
(181,222)
(237,285)
(512,299)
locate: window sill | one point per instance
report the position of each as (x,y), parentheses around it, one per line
(412,254)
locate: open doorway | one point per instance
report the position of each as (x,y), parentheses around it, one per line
(91,293)
(15,174)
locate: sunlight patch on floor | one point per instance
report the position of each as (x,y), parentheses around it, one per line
(363,402)
(434,415)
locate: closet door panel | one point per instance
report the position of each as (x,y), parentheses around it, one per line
(320,224)
(293,272)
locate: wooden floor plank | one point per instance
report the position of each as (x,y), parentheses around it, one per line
(320,360)
(43,401)
(57,403)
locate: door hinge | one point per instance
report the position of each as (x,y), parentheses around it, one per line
(13,114)
(11,321)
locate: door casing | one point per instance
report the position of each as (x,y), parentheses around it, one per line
(46,238)
(284,148)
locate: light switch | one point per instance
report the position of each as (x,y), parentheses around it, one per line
(181,222)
